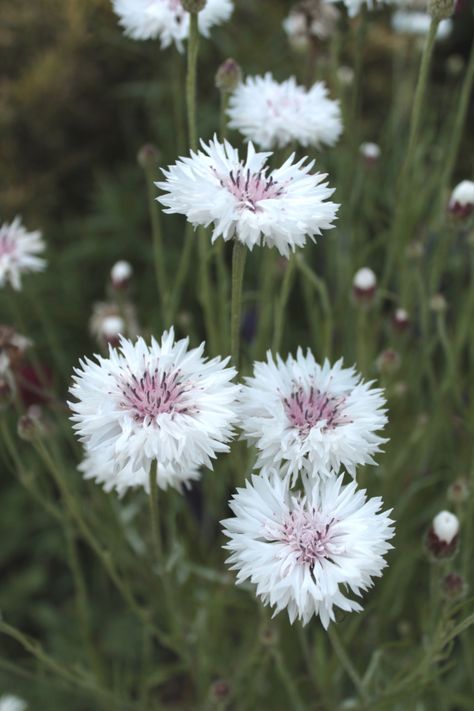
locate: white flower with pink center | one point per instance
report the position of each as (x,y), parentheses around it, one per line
(164,402)
(19,252)
(304,551)
(303,416)
(167,20)
(276,115)
(245,200)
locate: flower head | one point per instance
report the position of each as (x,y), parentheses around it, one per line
(163,402)
(167,19)
(364,285)
(11,703)
(302,551)
(461,203)
(310,20)
(304,416)
(243,199)
(442,537)
(275,115)
(19,251)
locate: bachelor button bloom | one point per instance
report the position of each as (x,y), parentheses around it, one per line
(304,416)
(274,115)
(19,251)
(162,402)
(461,203)
(243,199)
(12,703)
(303,551)
(167,20)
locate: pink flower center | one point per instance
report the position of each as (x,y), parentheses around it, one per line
(155,394)
(310,536)
(307,408)
(7,246)
(281,103)
(250,188)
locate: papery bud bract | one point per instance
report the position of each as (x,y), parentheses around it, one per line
(193,6)
(228,76)
(440,9)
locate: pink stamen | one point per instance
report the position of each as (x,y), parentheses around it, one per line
(307,408)
(250,188)
(310,536)
(7,246)
(154,394)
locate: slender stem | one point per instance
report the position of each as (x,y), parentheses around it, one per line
(155,521)
(158,252)
(346,662)
(265,302)
(287,681)
(282,302)
(319,285)
(223,115)
(193,48)
(183,270)
(238,265)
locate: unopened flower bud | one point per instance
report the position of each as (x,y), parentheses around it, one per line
(442,537)
(364,285)
(401,320)
(193,6)
(440,9)
(461,203)
(148,156)
(453,586)
(388,362)
(31,425)
(438,303)
(112,328)
(120,274)
(370,152)
(220,690)
(268,636)
(228,76)
(458,491)
(345,75)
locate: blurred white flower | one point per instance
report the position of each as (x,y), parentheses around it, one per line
(96,468)
(273,114)
(461,202)
(12,703)
(161,402)
(280,208)
(109,321)
(345,75)
(120,274)
(418,24)
(167,20)
(303,551)
(445,526)
(370,151)
(304,416)
(364,284)
(19,251)
(310,20)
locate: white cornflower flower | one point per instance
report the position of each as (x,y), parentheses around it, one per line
(278,208)
(12,703)
(303,551)
(364,282)
(19,251)
(446,526)
(418,24)
(93,467)
(167,20)
(304,416)
(120,274)
(274,115)
(370,151)
(161,402)
(461,202)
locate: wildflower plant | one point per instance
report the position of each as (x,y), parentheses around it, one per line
(236,404)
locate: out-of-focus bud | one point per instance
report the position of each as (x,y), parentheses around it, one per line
(120,274)
(458,491)
(415,249)
(148,156)
(112,328)
(309,21)
(32,424)
(453,587)
(388,362)
(364,285)
(370,152)
(184,319)
(193,6)
(442,537)
(228,76)
(401,320)
(461,202)
(438,303)
(268,636)
(220,690)
(440,9)
(345,75)
(400,389)
(455,64)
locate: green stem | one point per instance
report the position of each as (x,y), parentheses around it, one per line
(193,48)
(239,255)
(319,285)
(158,252)
(183,270)
(282,303)
(287,681)
(265,302)
(155,522)
(346,663)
